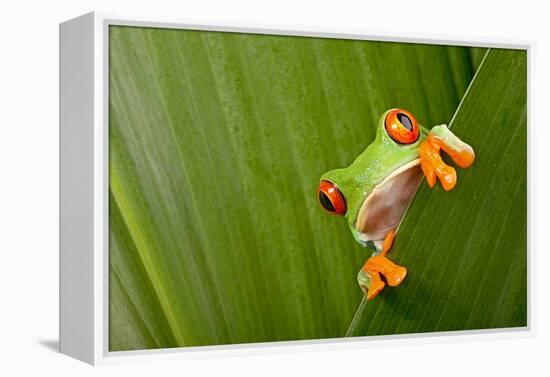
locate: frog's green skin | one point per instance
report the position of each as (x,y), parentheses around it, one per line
(378,161)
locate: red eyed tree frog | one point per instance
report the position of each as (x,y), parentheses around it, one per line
(374,192)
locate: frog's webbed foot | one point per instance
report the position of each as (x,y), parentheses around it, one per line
(370,276)
(440,137)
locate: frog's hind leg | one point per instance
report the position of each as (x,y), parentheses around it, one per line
(378,265)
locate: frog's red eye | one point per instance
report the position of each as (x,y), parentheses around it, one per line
(401,126)
(331,199)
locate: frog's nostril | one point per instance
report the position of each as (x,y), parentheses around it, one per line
(330,198)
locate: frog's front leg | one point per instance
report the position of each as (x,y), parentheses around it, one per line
(369,276)
(440,137)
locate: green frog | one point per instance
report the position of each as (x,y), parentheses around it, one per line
(374,192)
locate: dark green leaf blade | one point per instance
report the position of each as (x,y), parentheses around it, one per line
(466,250)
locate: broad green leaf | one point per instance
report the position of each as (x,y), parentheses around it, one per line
(466,249)
(476,56)
(217,142)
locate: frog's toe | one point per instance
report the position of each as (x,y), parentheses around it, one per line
(429,173)
(370,283)
(375,289)
(396,276)
(447,176)
(463,155)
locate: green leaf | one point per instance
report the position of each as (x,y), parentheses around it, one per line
(217,143)
(476,56)
(466,249)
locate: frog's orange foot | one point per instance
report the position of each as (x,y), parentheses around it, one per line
(433,166)
(430,158)
(369,276)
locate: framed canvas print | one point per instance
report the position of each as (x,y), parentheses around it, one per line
(225,187)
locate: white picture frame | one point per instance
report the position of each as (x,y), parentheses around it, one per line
(84,190)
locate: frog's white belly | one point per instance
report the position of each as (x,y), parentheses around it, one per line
(384,208)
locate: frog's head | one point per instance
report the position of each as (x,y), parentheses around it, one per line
(374,192)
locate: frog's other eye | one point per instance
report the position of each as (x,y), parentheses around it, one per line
(330,198)
(401,126)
